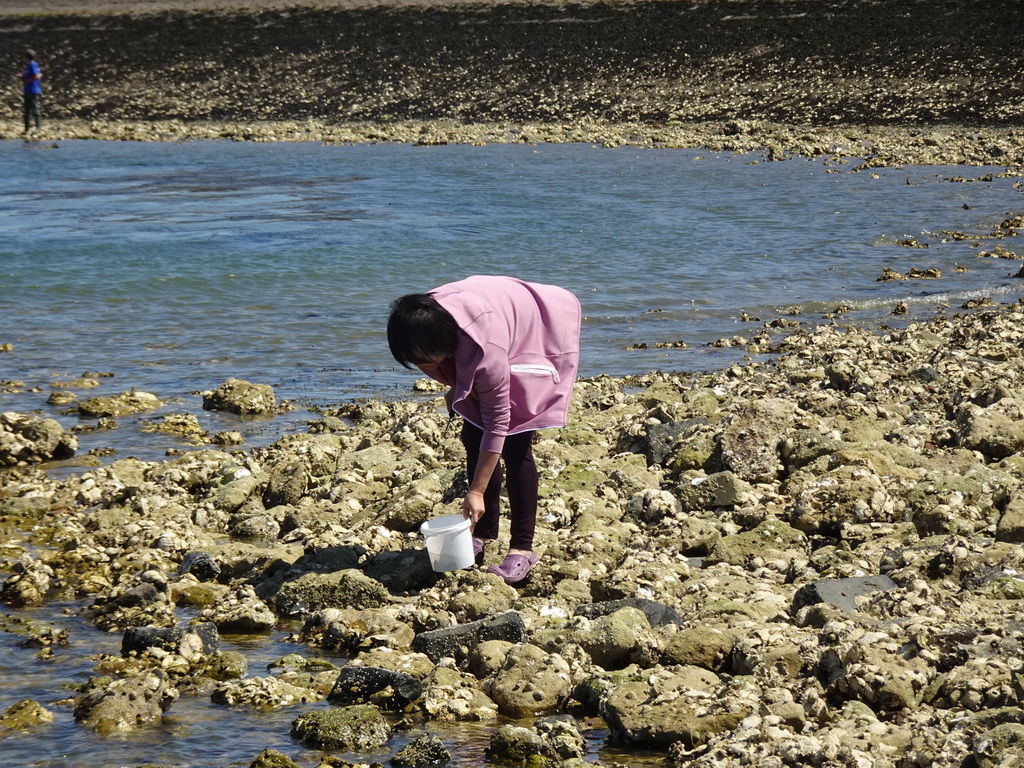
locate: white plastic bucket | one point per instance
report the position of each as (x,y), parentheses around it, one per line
(449,542)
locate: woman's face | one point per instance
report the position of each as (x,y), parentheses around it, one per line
(433,363)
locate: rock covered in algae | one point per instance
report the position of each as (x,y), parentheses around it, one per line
(531,682)
(356,727)
(549,742)
(23,715)
(124,404)
(242,397)
(271,758)
(747,646)
(349,588)
(422,752)
(123,705)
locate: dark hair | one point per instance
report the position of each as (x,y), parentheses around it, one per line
(420,330)
(30,54)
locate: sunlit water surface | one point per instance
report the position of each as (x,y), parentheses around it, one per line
(176,266)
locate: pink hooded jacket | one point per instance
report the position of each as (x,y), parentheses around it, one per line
(517,354)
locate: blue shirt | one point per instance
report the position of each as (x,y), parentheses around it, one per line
(31,79)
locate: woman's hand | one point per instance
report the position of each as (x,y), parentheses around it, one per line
(473,504)
(473,507)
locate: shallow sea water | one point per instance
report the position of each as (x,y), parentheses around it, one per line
(175,266)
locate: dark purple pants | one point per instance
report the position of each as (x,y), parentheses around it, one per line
(520,478)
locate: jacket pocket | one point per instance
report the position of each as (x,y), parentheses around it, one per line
(535,369)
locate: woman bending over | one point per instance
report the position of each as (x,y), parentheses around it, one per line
(508,351)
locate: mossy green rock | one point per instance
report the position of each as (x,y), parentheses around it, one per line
(1011,523)
(1002,588)
(123,404)
(380,459)
(408,513)
(26,713)
(350,728)
(579,476)
(226,665)
(696,453)
(232,495)
(271,758)
(593,691)
(27,506)
(979,486)
(637,714)
(995,434)
(612,639)
(531,682)
(661,392)
(197,596)
(705,647)
(515,745)
(721,489)
(997,747)
(578,434)
(349,588)
(741,548)
(425,752)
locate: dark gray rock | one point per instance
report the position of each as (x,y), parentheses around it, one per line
(458,641)
(137,597)
(384,688)
(402,571)
(661,439)
(201,565)
(840,592)
(287,484)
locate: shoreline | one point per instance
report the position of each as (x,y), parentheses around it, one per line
(875,145)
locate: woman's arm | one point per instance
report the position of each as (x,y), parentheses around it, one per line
(473,504)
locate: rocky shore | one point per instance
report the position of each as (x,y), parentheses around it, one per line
(933,82)
(814,560)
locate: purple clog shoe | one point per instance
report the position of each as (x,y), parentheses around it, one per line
(514,568)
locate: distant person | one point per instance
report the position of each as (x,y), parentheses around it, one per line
(507,350)
(30,78)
